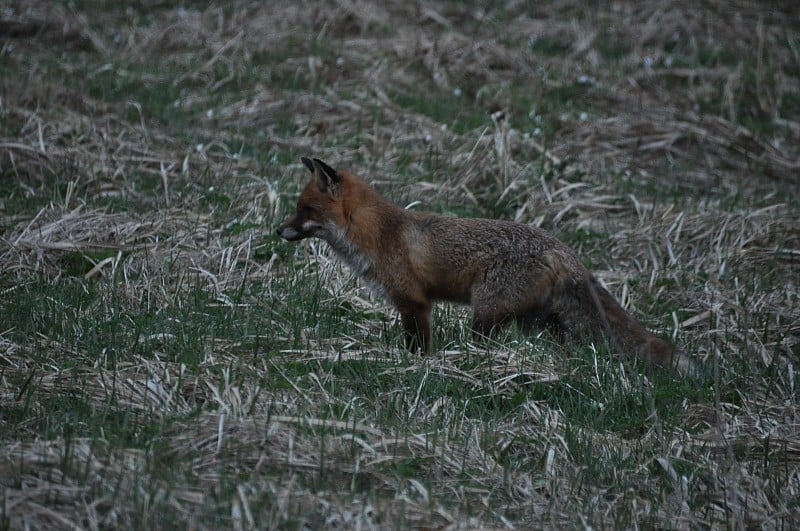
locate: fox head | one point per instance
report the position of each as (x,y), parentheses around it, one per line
(319,210)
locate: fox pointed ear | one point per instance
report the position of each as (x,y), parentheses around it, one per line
(308,163)
(327,178)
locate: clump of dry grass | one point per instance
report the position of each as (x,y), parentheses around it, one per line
(659,140)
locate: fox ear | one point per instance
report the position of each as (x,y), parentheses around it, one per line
(308,163)
(327,178)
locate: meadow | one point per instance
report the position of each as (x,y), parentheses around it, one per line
(168,362)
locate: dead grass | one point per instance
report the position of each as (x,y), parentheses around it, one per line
(206,375)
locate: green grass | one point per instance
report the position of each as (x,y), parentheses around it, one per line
(442,107)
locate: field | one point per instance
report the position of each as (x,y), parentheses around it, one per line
(167,362)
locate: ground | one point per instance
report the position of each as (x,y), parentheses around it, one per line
(167,361)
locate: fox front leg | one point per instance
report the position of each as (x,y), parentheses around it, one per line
(416,326)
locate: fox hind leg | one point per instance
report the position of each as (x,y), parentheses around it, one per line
(488,320)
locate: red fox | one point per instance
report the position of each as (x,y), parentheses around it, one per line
(506,271)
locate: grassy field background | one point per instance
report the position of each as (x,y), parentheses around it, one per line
(167,362)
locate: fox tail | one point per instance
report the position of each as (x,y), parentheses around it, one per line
(625,334)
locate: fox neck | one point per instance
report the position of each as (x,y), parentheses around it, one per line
(357,258)
(370,229)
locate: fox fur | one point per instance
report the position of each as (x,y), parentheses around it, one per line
(505,271)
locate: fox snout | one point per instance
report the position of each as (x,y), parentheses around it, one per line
(287,232)
(299,227)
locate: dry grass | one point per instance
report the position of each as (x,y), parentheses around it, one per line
(168,362)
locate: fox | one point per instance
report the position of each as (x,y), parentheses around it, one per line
(506,271)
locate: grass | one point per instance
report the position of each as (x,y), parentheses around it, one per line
(167,361)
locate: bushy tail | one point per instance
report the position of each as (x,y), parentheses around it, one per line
(602,317)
